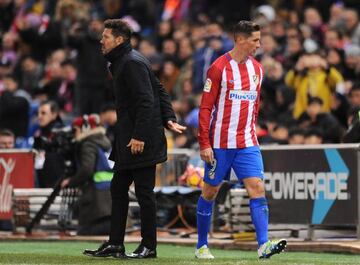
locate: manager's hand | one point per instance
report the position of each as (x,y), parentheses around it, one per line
(175,127)
(65,183)
(137,147)
(207,155)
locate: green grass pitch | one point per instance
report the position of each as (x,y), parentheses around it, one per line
(55,252)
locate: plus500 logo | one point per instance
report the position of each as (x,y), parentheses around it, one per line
(242,95)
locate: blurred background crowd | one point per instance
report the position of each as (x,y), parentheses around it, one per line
(52,69)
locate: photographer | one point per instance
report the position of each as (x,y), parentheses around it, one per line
(49,159)
(92,176)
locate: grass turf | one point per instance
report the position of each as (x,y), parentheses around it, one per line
(55,252)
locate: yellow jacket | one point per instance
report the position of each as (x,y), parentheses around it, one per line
(315,83)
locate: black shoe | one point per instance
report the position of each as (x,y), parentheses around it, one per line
(107,250)
(142,252)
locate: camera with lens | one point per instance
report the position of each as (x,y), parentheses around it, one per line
(62,142)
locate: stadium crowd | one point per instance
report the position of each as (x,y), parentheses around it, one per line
(310,52)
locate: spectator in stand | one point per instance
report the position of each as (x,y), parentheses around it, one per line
(14,107)
(354,95)
(148,49)
(51,82)
(314,117)
(216,44)
(93,80)
(169,48)
(333,39)
(108,120)
(293,51)
(189,138)
(269,48)
(312,78)
(313,19)
(280,134)
(7,139)
(29,71)
(340,107)
(5,69)
(352,25)
(296,136)
(10,41)
(353,133)
(313,136)
(352,63)
(336,58)
(42,36)
(276,97)
(183,85)
(7,14)
(169,75)
(52,166)
(65,93)
(164,31)
(336,11)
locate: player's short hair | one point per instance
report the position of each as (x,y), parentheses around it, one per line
(245,28)
(118,28)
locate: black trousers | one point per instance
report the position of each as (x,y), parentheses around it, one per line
(144,180)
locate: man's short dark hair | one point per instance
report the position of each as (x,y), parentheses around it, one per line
(296,131)
(68,62)
(312,131)
(6,132)
(54,107)
(108,107)
(118,28)
(355,87)
(315,100)
(245,28)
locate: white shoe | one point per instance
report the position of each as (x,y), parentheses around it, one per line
(203,253)
(270,248)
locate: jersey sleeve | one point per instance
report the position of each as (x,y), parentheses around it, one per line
(210,94)
(257,104)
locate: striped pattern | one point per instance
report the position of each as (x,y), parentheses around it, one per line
(228,112)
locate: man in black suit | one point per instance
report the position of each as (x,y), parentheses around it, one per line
(143,110)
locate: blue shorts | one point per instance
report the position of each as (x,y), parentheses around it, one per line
(246,162)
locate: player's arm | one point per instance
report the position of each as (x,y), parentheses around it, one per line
(209,97)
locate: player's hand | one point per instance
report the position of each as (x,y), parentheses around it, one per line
(137,147)
(175,127)
(207,155)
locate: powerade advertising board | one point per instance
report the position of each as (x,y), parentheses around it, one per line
(316,185)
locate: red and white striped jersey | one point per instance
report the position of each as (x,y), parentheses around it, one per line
(230,104)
